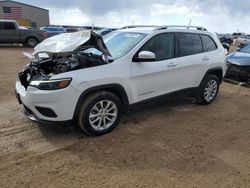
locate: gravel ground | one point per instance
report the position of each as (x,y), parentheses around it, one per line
(173,144)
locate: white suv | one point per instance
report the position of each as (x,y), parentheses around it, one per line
(82,77)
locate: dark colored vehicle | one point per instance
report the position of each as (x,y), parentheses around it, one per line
(239,65)
(237,35)
(226,46)
(105,31)
(10,32)
(226,39)
(71,30)
(52,31)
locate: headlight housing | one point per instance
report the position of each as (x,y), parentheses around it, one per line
(51,84)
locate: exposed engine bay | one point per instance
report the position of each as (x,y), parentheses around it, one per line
(50,59)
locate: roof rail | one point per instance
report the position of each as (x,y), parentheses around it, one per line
(181,26)
(134,26)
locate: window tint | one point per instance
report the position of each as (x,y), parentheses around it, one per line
(189,44)
(208,43)
(9,26)
(162,45)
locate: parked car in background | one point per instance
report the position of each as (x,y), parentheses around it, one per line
(242,41)
(105,31)
(11,32)
(226,47)
(236,35)
(226,39)
(239,65)
(52,31)
(71,30)
(93,79)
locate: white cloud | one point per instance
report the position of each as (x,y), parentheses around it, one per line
(216,15)
(68,17)
(161,9)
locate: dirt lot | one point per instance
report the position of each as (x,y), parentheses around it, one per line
(175,144)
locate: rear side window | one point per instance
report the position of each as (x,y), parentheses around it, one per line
(189,44)
(9,26)
(162,45)
(208,43)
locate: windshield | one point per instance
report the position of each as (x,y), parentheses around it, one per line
(119,43)
(245,49)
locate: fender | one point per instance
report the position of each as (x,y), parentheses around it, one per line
(218,71)
(117,89)
(31,36)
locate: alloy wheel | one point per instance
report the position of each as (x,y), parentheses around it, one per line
(103,115)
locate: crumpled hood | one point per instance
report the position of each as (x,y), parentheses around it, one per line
(70,42)
(239,58)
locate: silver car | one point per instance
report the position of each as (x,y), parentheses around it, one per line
(239,65)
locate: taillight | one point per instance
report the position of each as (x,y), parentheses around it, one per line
(45,34)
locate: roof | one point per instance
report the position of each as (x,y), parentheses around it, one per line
(145,30)
(2,20)
(10,1)
(174,28)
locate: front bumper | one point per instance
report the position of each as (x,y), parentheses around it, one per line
(61,102)
(239,73)
(31,116)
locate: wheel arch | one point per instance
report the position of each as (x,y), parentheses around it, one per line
(116,89)
(31,36)
(217,71)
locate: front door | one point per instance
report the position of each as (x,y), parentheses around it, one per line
(159,76)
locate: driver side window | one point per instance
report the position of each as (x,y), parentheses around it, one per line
(162,45)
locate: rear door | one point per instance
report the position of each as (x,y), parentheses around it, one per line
(9,32)
(193,61)
(158,77)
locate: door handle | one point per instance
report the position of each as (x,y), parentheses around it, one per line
(172,65)
(205,59)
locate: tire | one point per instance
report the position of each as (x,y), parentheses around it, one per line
(208,90)
(31,42)
(104,119)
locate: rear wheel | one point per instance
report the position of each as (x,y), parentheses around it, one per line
(31,42)
(100,113)
(208,90)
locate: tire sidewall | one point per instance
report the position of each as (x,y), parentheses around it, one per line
(203,86)
(85,124)
(31,46)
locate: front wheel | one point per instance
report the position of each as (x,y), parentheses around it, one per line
(208,90)
(100,113)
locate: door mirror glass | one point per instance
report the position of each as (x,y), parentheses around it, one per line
(146,56)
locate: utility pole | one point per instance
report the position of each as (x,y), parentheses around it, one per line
(189,23)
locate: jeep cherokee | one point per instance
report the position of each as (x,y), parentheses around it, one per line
(93,80)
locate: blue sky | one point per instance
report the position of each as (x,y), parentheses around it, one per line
(217,15)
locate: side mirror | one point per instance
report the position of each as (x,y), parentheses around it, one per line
(146,56)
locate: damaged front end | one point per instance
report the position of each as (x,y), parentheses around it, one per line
(64,53)
(238,72)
